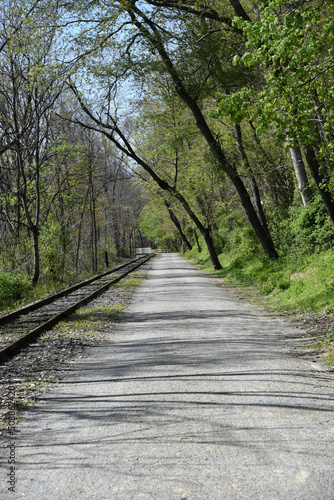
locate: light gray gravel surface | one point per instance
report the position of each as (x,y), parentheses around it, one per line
(195,396)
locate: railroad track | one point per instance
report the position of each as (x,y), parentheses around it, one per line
(28,323)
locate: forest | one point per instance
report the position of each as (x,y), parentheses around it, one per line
(202,127)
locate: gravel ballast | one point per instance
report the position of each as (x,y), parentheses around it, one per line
(193,395)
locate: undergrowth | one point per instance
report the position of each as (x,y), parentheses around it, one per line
(13,287)
(305,285)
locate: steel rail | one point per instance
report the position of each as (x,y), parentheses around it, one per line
(51,298)
(12,349)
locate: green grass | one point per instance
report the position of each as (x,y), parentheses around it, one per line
(87,321)
(131,282)
(306,285)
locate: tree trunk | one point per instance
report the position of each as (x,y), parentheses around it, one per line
(80,231)
(197,242)
(204,231)
(301,176)
(255,189)
(35,238)
(177,224)
(319,180)
(239,10)
(212,251)
(260,232)
(93,223)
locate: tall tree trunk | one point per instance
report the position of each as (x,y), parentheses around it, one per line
(93,223)
(93,236)
(320,180)
(255,189)
(212,251)
(35,238)
(177,224)
(196,239)
(80,231)
(204,231)
(239,10)
(301,176)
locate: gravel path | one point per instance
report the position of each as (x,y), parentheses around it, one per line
(194,396)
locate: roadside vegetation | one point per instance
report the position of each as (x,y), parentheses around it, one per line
(306,285)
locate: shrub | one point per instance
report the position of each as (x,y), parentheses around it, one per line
(13,287)
(311,227)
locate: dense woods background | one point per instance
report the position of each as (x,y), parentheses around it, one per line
(204,127)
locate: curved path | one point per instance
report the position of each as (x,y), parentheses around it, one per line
(196,396)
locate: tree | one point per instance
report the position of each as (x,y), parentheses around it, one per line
(151,42)
(149,30)
(99,196)
(30,89)
(56,179)
(113,132)
(293,46)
